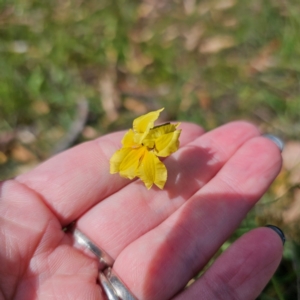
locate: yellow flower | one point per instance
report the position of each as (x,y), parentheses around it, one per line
(141,147)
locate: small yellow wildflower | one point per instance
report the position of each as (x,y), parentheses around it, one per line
(141,147)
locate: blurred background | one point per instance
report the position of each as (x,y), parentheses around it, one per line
(71,71)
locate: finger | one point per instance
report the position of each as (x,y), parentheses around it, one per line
(58,271)
(190,236)
(140,210)
(20,233)
(242,271)
(37,260)
(75,180)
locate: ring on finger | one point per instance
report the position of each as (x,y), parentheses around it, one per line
(113,287)
(83,242)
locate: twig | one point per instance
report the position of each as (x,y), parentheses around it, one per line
(294,186)
(75,128)
(296,266)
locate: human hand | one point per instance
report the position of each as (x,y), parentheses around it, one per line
(159,239)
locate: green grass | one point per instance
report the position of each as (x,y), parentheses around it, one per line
(54,53)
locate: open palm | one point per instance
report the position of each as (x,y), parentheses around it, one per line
(159,238)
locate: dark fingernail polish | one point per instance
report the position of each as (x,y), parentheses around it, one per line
(279,143)
(278,231)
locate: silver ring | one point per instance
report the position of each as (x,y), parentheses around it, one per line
(82,240)
(275,139)
(107,287)
(113,287)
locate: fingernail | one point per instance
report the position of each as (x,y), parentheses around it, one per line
(279,143)
(278,231)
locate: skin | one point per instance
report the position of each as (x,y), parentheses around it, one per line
(159,238)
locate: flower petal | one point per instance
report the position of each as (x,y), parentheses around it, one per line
(143,124)
(129,165)
(126,161)
(152,171)
(117,158)
(157,132)
(128,139)
(167,143)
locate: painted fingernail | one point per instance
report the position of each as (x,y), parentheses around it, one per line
(278,231)
(279,143)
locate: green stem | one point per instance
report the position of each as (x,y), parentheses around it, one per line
(277,288)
